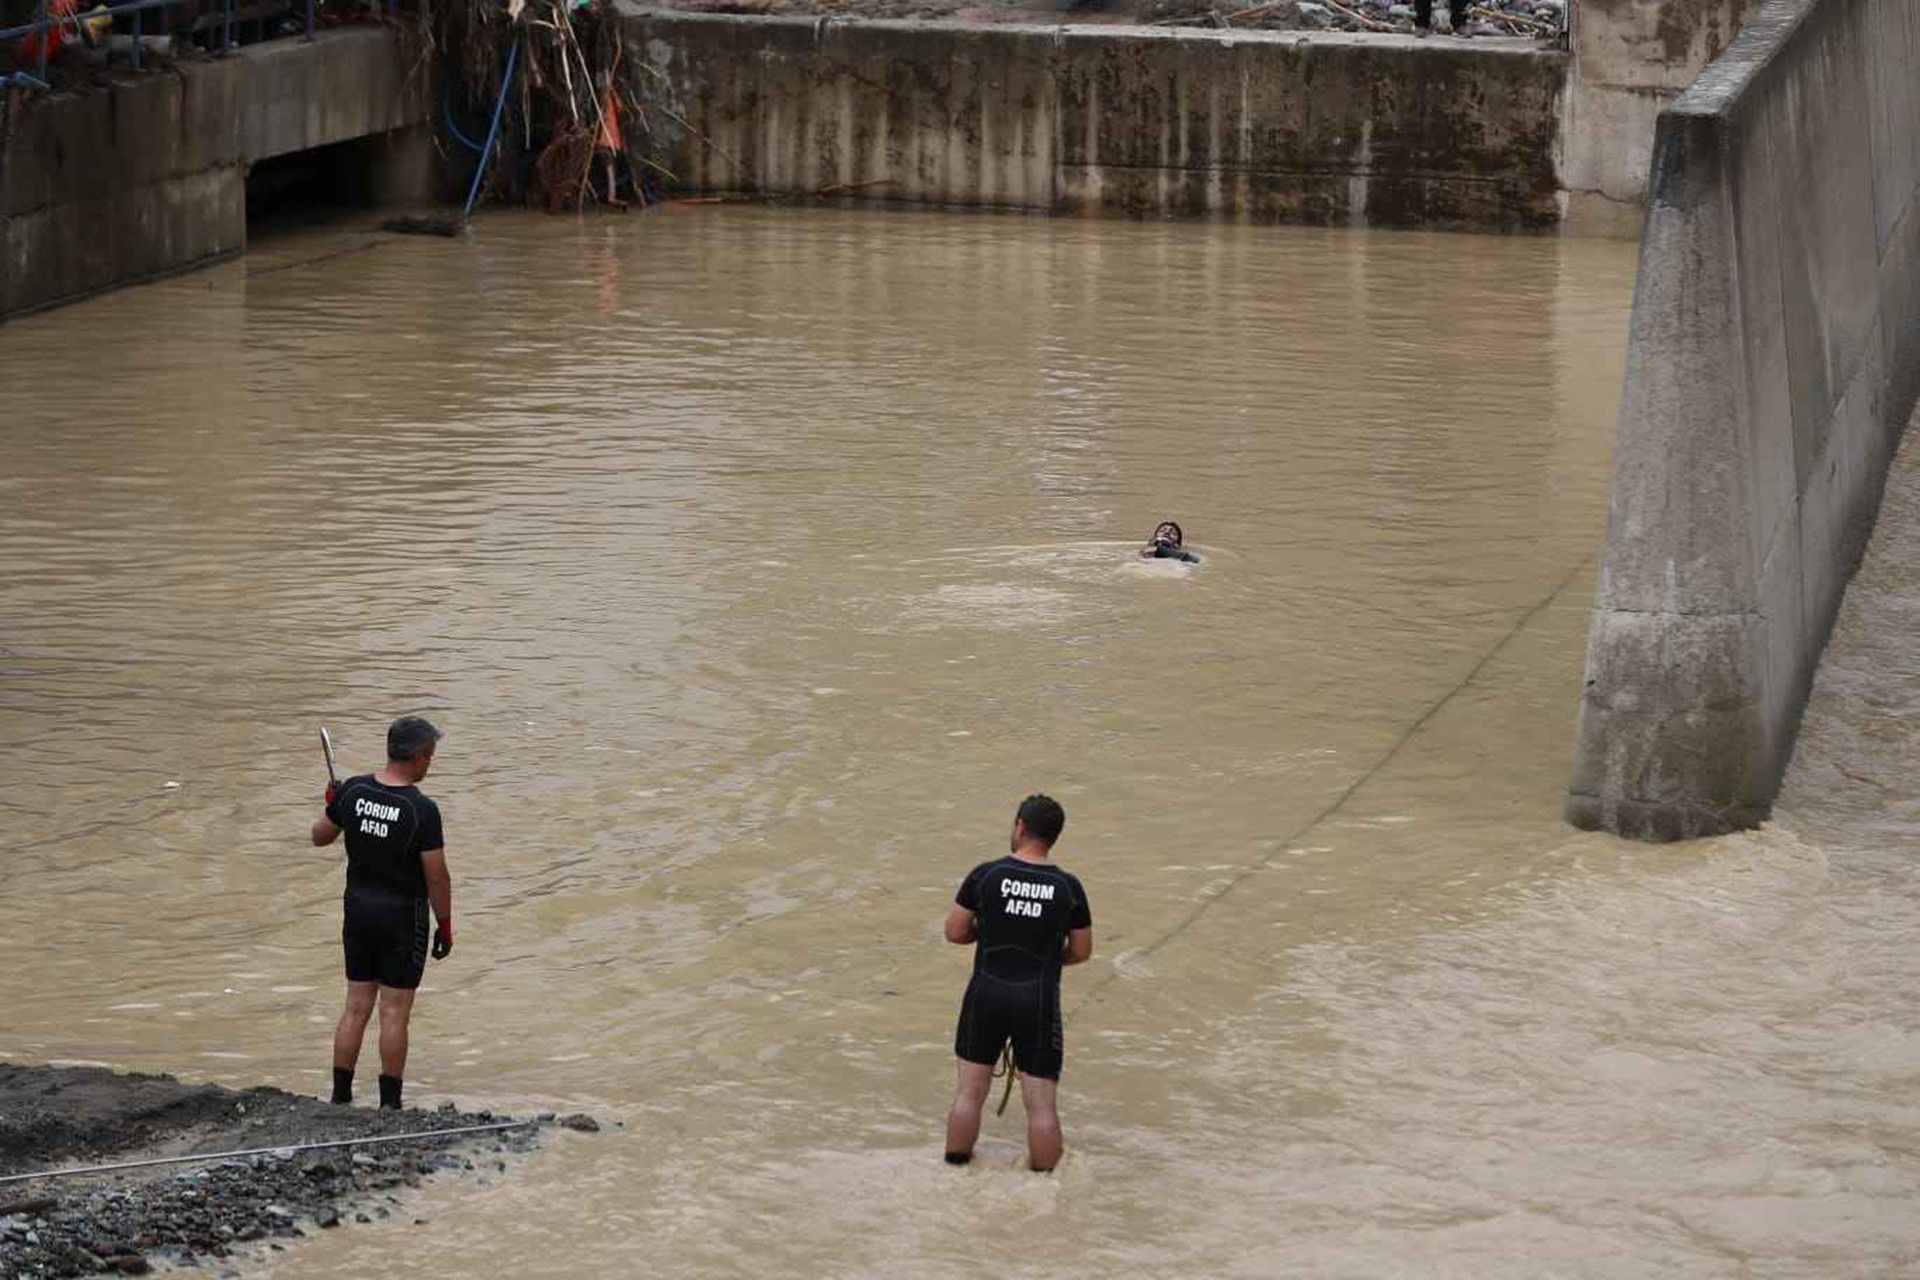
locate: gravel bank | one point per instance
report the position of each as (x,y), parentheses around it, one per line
(198,1214)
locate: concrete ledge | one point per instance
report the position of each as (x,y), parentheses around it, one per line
(70,251)
(1134,122)
(148,177)
(83,146)
(347,84)
(1771,365)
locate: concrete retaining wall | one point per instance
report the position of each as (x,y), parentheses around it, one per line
(1774,356)
(1631,58)
(109,186)
(113,186)
(1140,122)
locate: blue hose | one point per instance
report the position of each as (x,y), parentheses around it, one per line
(446,115)
(493,131)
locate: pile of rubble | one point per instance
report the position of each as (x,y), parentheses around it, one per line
(1538,19)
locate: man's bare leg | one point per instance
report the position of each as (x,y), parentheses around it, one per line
(971,1083)
(396,1008)
(348,1035)
(1044,1143)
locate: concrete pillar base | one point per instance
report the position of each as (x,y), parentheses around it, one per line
(1658,823)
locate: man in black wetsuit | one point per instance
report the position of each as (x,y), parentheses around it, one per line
(1168,543)
(1026,919)
(396,866)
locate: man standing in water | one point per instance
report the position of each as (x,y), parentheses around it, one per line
(396,866)
(1026,918)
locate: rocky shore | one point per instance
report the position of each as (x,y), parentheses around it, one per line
(204,1214)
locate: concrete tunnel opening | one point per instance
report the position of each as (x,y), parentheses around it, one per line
(315,185)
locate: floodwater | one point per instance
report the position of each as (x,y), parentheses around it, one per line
(756,563)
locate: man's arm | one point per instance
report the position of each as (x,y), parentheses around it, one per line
(325,829)
(440,894)
(963,926)
(1079,946)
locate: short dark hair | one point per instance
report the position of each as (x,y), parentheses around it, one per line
(1043,818)
(408,736)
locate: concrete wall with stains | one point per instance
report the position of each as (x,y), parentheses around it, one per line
(1774,358)
(105,187)
(1263,127)
(1631,58)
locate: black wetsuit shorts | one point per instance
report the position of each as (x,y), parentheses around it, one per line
(385,938)
(996,1011)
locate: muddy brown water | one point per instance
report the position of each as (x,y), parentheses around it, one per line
(756,562)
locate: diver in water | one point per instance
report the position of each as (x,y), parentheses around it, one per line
(1166,544)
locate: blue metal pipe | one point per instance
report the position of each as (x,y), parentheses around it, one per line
(493,132)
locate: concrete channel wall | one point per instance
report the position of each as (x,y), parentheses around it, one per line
(105,187)
(1264,127)
(112,186)
(1631,58)
(1774,357)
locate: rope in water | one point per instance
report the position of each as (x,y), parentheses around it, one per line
(266,1151)
(1005,1069)
(1341,800)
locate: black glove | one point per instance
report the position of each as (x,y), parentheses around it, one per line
(442,940)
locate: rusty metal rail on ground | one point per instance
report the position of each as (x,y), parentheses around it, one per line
(286,1149)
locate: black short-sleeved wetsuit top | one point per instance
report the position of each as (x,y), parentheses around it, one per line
(1167,551)
(387,830)
(1025,910)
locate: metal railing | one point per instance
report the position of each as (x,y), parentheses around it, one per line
(229,13)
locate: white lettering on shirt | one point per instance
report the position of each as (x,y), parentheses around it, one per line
(368,809)
(1023,897)
(375,817)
